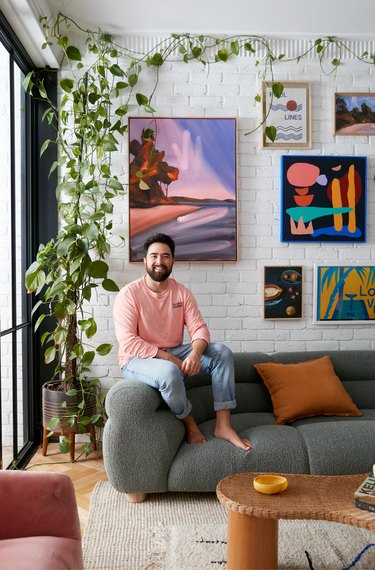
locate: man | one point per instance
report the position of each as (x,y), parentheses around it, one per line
(150,315)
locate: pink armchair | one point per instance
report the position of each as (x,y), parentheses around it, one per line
(39,524)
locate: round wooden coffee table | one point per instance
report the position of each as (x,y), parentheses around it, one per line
(253,517)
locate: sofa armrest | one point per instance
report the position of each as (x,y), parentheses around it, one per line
(37,504)
(140,438)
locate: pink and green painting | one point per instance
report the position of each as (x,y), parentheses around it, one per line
(323,198)
(183,182)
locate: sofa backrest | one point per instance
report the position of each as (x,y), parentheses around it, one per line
(355,368)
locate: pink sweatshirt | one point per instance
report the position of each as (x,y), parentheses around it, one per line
(146,321)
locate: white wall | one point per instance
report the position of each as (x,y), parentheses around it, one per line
(230,295)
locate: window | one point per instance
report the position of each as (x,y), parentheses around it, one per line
(22,204)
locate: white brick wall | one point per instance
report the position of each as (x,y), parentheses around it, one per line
(230,295)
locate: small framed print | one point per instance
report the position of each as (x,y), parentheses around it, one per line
(288,113)
(344,294)
(283,292)
(354,114)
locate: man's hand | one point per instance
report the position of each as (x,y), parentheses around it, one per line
(164,355)
(192,363)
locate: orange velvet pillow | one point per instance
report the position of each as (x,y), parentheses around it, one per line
(306,389)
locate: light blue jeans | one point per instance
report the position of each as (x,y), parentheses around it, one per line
(217,360)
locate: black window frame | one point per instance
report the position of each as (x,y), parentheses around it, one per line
(40,225)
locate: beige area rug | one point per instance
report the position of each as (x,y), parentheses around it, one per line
(187,531)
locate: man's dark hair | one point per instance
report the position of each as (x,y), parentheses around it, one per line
(159,238)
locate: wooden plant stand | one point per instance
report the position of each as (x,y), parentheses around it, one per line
(90,428)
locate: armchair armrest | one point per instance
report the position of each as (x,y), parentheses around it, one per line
(140,438)
(37,504)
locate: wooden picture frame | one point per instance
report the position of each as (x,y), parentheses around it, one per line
(290,114)
(354,114)
(344,294)
(323,198)
(283,292)
(183,182)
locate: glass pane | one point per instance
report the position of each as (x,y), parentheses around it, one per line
(5,210)
(21,419)
(6,399)
(19,136)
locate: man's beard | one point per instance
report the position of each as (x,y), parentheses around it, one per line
(159,276)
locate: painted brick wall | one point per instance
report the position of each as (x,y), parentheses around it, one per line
(230,295)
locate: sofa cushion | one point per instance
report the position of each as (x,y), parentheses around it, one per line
(275,448)
(306,389)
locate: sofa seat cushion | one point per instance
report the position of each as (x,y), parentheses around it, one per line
(275,448)
(306,389)
(41,553)
(346,445)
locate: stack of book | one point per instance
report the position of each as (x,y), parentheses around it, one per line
(364,496)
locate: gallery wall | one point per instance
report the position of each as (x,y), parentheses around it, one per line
(231,294)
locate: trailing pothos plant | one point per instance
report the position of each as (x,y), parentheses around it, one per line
(70,268)
(89,122)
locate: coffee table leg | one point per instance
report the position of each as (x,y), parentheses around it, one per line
(252,542)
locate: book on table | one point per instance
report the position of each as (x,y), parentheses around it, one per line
(365,506)
(366,491)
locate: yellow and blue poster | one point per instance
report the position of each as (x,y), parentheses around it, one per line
(345,294)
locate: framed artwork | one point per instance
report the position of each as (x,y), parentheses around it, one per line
(354,114)
(344,294)
(289,114)
(283,292)
(183,182)
(323,198)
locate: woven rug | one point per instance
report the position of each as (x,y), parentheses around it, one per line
(187,531)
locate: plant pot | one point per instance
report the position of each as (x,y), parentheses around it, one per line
(53,398)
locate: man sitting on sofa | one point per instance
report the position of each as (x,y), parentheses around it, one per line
(150,315)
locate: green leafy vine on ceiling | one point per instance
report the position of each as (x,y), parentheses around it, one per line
(127,65)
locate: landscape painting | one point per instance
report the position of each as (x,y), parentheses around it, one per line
(354,114)
(344,294)
(183,182)
(323,198)
(282,292)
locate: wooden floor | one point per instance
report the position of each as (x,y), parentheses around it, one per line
(85,472)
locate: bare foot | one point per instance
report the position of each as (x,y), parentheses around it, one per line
(193,433)
(233,437)
(229,434)
(224,430)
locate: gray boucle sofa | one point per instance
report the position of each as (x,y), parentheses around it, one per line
(145,450)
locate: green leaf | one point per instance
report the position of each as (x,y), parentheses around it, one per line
(91,329)
(72,392)
(73,53)
(87,358)
(234,46)
(116,70)
(223,54)
(157,59)
(109,285)
(248,47)
(53,423)
(196,51)
(39,322)
(258,98)
(271,132)
(98,269)
(104,349)
(277,89)
(335,62)
(66,85)
(141,99)
(64,445)
(149,109)
(50,354)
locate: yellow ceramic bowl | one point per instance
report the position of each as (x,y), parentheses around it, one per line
(270,484)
